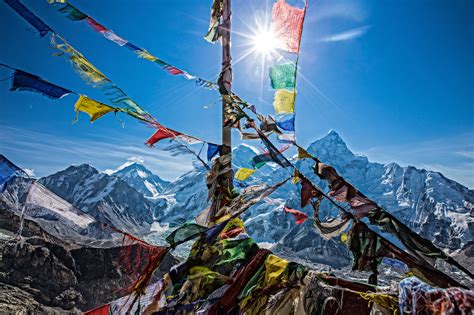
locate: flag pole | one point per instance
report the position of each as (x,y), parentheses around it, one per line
(225,86)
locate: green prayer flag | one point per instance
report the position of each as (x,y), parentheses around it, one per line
(184,232)
(237,249)
(72,13)
(283,76)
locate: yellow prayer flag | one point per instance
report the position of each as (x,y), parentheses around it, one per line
(344,237)
(303,154)
(274,268)
(284,101)
(91,107)
(145,55)
(244,173)
(296,177)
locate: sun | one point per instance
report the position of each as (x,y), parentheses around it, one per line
(264,41)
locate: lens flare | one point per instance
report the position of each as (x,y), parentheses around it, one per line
(265,41)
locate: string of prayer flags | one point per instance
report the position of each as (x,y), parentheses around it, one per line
(300,217)
(91,107)
(97,79)
(212,150)
(23,81)
(8,171)
(74,14)
(284,101)
(273,152)
(30,17)
(166,133)
(287,25)
(244,173)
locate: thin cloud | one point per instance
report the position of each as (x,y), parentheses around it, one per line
(30,172)
(451,156)
(347,35)
(48,153)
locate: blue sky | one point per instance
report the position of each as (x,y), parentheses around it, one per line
(394,78)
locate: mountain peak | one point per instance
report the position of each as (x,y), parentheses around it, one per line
(334,136)
(139,177)
(330,146)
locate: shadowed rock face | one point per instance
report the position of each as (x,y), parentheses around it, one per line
(56,274)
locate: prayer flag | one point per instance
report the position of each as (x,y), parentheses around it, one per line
(91,107)
(72,13)
(274,269)
(287,137)
(303,154)
(160,134)
(244,173)
(284,101)
(165,133)
(212,150)
(101,310)
(299,216)
(8,170)
(283,76)
(286,122)
(29,16)
(110,35)
(273,152)
(24,81)
(96,25)
(308,191)
(94,77)
(287,25)
(185,232)
(216,12)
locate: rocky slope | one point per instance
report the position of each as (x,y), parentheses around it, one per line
(107,198)
(44,274)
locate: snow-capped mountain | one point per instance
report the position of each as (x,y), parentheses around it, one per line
(132,198)
(142,179)
(107,198)
(436,207)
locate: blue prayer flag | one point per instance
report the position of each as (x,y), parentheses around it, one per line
(286,122)
(24,81)
(29,16)
(212,150)
(8,170)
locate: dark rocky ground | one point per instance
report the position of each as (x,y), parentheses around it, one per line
(44,274)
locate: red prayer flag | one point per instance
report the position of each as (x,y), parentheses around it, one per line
(96,26)
(299,216)
(160,134)
(308,191)
(287,25)
(101,310)
(173,70)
